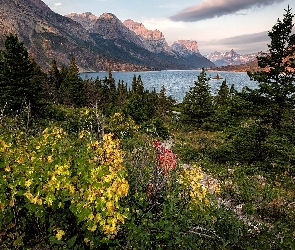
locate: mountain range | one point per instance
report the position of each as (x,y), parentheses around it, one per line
(97,43)
(230,58)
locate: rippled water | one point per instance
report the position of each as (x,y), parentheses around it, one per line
(178,82)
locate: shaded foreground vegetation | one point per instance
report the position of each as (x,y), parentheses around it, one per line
(83,164)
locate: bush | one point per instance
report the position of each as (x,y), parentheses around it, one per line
(61,190)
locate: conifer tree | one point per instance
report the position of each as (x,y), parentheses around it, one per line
(198,103)
(276,83)
(73,88)
(163,103)
(223,94)
(16,72)
(137,85)
(54,81)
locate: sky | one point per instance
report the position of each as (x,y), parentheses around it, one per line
(217,25)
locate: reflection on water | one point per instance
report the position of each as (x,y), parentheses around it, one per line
(178,82)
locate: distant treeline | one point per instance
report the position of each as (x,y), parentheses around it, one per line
(23,84)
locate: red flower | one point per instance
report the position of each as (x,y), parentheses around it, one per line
(165,157)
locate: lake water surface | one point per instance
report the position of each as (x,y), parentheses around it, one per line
(178,82)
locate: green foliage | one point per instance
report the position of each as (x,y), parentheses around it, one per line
(122,126)
(74,120)
(156,128)
(198,103)
(21,80)
(54,82)
(169,209)
(60,190)
(72,88)
(276,83)
(223,95)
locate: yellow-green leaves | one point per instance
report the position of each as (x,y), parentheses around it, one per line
(54,171)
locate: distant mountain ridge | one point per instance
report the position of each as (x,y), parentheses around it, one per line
(230,58)
(97,43)
(48,35)
(150,44)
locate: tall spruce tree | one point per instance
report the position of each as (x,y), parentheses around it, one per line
(54,81)
(198,102)
(276,83)
(223,95)
(73,88)
(18,85)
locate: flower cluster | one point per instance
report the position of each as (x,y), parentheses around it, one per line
(166,159)
(191,180)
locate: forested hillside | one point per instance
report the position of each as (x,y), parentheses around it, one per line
(93,164)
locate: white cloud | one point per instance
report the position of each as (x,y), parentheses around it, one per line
(57,4)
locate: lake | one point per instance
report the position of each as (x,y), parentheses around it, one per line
(178,82)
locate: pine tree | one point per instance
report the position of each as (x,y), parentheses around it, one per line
(17,89)
(276,83)
(73,88)
(163,103)
(223,95)
(137,85)
(54,81)
(198,103)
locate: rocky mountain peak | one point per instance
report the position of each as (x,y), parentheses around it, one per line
(141,30)
(189,45)
(153,40)
(97,43)
(230,58)
(185,48)
(108,16)
(86,19)
(110,27)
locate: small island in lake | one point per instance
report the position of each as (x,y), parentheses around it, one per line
(217,77)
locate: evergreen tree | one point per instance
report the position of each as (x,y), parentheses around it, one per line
(276,83)
(73,88)
(197,104)
(16,72)
(137,85)
(122,93)
(38,82)
(163,103)
(223,95)
(54,81)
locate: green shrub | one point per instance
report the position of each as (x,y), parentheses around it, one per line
(60,190)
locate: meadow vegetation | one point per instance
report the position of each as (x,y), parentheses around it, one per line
(93,164)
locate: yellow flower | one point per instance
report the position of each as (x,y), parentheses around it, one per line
(49,201)
(60,233)
(49,158)
(93,228)
(28,183)
(110,206)
(7,169)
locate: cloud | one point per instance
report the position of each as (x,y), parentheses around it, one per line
(243,44)
(256,38)
(57,4)
(215,8)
